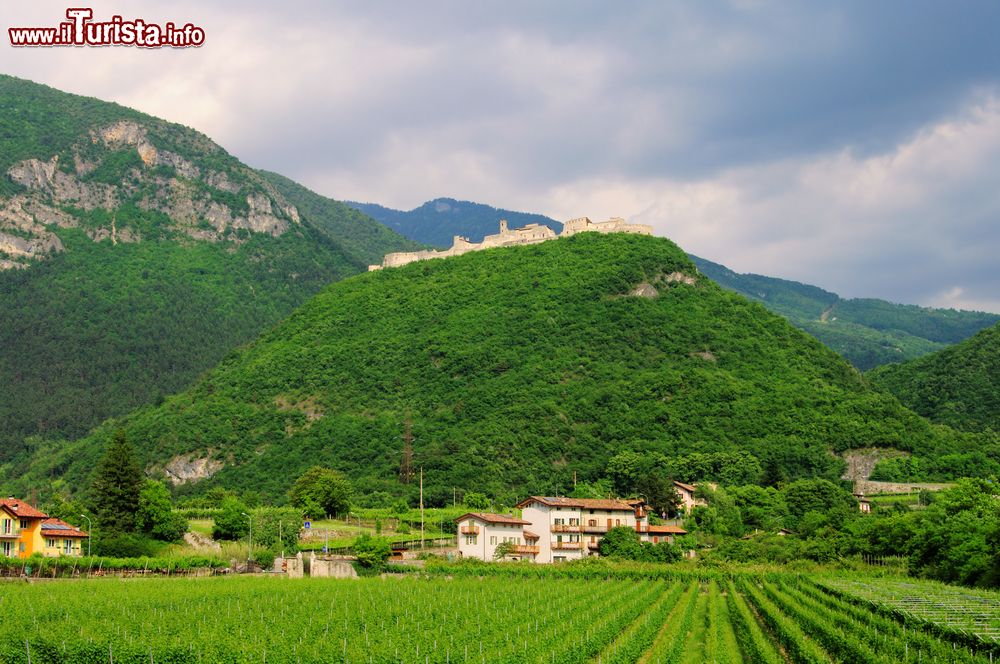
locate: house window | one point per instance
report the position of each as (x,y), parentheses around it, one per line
(51,543)
(618,522)
(470,539)
(6,549)
(68,546)
(21,547)
(8,526)
(493,539)
(24,524)
(574,521)
(558,521)
(559,559)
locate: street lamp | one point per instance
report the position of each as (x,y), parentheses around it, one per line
(250,547)
(90,532)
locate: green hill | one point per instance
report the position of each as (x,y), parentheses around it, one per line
(958,386)
(135,253)
(513,369)
(868,332)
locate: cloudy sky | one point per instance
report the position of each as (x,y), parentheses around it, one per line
(852,145)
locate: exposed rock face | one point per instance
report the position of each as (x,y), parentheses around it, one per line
(679,277)
(181,470)
(62,187)
(12,245)
(186,199)
(24,232)
(644,290)
(261,218)
(221,182)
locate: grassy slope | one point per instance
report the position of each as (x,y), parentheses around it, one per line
(958,386)
(517,367)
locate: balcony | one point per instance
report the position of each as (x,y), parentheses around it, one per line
(565,528)
(525,549)
(10,533)
(595,528)
(470,530)
(593,546)
(567,545)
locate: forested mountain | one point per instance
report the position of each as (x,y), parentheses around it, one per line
(437,222)
(135,253)
(868,332)
(514,368)
(958,386)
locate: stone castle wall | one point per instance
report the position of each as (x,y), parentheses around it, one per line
(507,237)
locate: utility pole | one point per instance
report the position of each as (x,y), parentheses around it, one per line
(406,465)
(421,507)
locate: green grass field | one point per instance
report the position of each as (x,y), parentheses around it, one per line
(550,618)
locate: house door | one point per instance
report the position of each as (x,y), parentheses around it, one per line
(6,549)
(609,524)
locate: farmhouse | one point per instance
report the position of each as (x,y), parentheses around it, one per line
(556,529)
(25,530)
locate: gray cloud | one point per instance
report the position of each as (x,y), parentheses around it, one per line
(775,137)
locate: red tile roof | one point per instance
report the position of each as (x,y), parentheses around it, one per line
(583,503)
(687,487)
(59,528)
(530,535)
(21,509)
(494,518)
(665,530)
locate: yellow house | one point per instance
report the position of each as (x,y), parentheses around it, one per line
(25,530)
(62,539)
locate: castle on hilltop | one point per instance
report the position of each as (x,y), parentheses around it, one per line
(510,237)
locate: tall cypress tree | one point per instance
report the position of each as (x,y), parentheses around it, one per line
(116,487)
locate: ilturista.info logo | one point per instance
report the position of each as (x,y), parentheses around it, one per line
(82,30)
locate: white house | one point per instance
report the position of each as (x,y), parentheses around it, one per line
(572,528)
(556,529)
(480,533)
(686,492)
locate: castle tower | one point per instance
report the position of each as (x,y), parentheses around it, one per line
(503,225)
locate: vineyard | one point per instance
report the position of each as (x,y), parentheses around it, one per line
(955,611)
(686,619)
